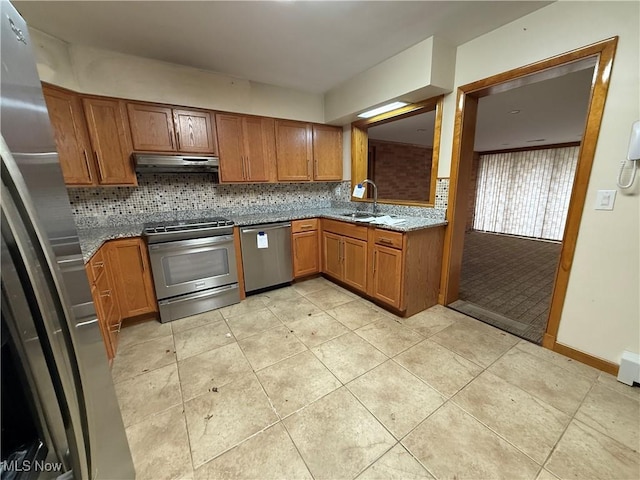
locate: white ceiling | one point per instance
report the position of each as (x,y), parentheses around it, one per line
(552,111)
(307,45)
(316,45)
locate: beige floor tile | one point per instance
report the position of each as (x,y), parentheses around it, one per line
(199,320)
(142,358)
(582,452)
(545,475)
(297,381)
(337,437)
(306,287)
(293,310)
(317,329)
(217,421)
(148,394)
(399,400)
(328,298)
(248,324)
(356,314)
(396,464)
(452,444)
(428,322)
(348,356)
(269,347)
(389,336)
(249,304)
(270,455)
(189,474)
(567,363)
(612,382)
(141,332)
(444,370)
(542,379)
(613,414)
(160,446)
(215,368)
(481,348)
(348,293)
(526,422)
(273,296)
(201,339)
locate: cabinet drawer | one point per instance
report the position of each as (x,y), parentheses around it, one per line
(306,225)
(388,238)
(345,229)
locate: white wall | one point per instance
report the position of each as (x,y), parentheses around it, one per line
(102,72)
(601,315)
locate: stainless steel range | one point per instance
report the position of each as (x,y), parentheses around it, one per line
(193,264)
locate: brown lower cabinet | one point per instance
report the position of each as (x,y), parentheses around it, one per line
(121,286)
(305,244)
(344,253)
(396,269)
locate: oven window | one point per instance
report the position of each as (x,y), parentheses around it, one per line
(190,267)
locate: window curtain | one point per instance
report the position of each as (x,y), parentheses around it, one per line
(525,193)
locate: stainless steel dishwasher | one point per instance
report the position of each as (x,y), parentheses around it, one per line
(266,255)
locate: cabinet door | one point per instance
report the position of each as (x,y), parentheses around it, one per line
(293,150)
(230,146)
(129,264)
(327,153)
(194,132)
(151,127)
(109,133)
(387,275)
(70,133)
(258,141)
(332,254)
(305,254)
(354,257)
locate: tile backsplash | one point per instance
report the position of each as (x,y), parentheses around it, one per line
(191,192)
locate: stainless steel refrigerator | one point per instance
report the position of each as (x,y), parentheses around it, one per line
(60,416)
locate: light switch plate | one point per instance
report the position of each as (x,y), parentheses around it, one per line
(605,199)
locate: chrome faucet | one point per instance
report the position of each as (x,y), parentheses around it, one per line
(375,194)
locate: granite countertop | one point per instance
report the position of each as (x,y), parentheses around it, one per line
(91,238)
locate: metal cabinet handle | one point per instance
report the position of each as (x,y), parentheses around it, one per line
(178,140)
(171,139)
(244,175)
(342,251)
(306,226)
(386,241)
(100,172)
(246,159)
(86,163)
(375,260)
(106,293)
(98,264)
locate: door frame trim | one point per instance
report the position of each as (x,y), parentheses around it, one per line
(601,54)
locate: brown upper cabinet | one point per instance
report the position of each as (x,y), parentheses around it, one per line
(327,153)
(109,132)
(92,137)
(306,151)
(246,147)
(159,128)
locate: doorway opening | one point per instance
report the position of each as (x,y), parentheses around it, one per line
(525,156)
(599,56)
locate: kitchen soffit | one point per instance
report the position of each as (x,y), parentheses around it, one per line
(309,46)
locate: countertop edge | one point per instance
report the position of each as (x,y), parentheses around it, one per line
(91,239)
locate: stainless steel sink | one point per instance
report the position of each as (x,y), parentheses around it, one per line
(357,215)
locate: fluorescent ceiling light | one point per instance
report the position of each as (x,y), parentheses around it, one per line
(382,109)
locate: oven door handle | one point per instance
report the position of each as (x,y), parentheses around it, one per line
(194,242)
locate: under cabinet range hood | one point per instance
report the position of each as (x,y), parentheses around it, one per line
(157,163)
